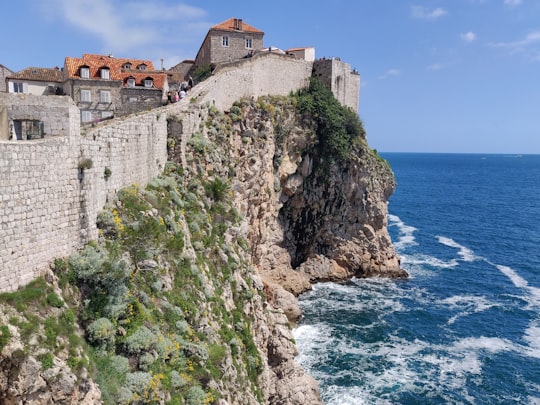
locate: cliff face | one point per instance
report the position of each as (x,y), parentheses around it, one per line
(189,295)
(307,220)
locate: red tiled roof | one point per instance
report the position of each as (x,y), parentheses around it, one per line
(229,26)
(116,68)
(39,75)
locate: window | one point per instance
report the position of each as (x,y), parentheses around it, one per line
(131,82)
(85,72)
(224,40)
(86,116)
(142,66)
(86,96)
(148,83)
(127,66)
(105,73)
(106,114)
(249,43)
(18,88)
(104,96)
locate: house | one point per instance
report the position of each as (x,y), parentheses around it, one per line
(230,40)
(104,86)
(36,80)
(178,73)
(4,72)
(307,53)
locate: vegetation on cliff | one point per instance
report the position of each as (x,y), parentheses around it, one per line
(338,128)
(166,299)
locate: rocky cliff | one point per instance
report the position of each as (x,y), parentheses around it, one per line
(189,295)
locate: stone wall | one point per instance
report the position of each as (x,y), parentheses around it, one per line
(4,73)
(338,76)
(48,205)
(263,74)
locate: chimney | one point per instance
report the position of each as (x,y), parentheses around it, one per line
(238,24)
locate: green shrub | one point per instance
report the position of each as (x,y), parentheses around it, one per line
(338,127)
(142,339)
(5,335)
(202,72)
(46,360)
(195,396)
(217,189)
(54,300)
(176,380)
(101,332)
(138,381)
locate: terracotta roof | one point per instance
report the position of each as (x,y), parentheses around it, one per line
(117,69)
(38,74)
(229,25)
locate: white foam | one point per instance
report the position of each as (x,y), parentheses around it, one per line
(532,337)
(338,395)
(406,237)
(421,259)
(466,254)
(468,304)
(489,344)
(516,279)
(519,282)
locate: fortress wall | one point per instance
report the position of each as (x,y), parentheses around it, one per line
(134,150)
(339,78)
(48,206)
(263,74)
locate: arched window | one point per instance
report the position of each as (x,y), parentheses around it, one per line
(130,81)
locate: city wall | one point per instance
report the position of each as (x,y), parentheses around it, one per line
(48,201)
(50,193)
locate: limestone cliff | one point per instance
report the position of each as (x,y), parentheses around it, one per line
(189,294)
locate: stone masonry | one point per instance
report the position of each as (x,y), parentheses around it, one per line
(49,202)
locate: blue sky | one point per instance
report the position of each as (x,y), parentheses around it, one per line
(437,75)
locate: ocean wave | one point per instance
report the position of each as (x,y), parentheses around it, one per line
(406,232)
(466,254)
(468,304)
(421,259)
(533,293)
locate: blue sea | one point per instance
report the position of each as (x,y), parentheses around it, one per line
(465,327)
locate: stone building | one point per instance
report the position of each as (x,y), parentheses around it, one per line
(340,79)
(37,81)
(228,41)
(104,86)
(4,72)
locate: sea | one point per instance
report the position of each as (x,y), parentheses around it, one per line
(465,327)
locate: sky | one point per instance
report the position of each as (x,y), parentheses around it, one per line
(447,76)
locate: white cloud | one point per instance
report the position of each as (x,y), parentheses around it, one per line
(390,73)
(427,14)
(528,46)
(138,29)
(513,3)
(530,39)
(468,36)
